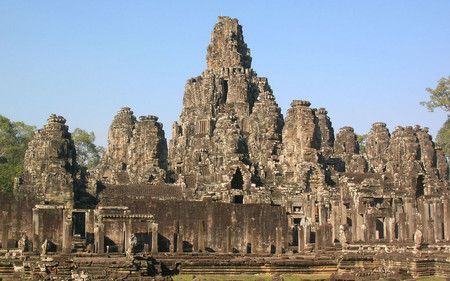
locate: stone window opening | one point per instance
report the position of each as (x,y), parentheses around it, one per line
(124,166)
(203,126)
(419,187)
(237,182)
(151,178)
(349,221)
(379,228)
(238,199)
(224,91)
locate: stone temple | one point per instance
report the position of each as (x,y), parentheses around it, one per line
(238,189)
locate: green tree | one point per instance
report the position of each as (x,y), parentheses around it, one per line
(362,142)
(443,138)
(88,154)
(14,138)
(439,97)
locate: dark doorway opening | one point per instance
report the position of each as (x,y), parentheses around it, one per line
(79,224)
(419,187)
(239,199)
(237,182)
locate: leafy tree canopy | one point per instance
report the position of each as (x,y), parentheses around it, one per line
(443,138)
(14,138)
(439,97)
(362,142)
(88,154)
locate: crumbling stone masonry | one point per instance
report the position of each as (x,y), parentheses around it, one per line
(236,178)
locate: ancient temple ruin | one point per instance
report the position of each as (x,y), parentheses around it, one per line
(237,178)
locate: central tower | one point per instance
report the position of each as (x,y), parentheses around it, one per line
(230,126)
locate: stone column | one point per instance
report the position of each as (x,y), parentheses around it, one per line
(279,245)
(228,247)
(154,238)
(67,231)
(439,212)
(176,231)
(322,214)
(425,222)
(401,227)
(335,218)
(179,243)
(254,242)
(36,227)
(446,221)
(391,229)
(201,236)
(127,235)
(301,238)
(411,223)
(99,235)
(307,233)
(5,229)
(343,214)
(89,226)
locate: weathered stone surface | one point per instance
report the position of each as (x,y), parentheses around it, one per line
(377,144)
(49,164)
(301,188)
(136,152)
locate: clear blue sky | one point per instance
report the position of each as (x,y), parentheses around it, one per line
(364,61)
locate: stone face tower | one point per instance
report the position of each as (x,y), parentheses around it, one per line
(230,125)
(137,151)
(49,165)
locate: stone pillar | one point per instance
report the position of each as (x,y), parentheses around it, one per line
(99,235)
(411,219)
(5,229)
(176,231)
(179,243)
(425,222)
(254,242)
(335,218)
(36,227)
(89,227)
(307,233)
(127,235)
(67,231)
(228,247)
(322,214)
(301,238)
(359,226)
(279,237)
(446,221)
(401,227)
(343,214)
(201,236)
(313,209)
(154,238)
(390,229)
(438,229)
